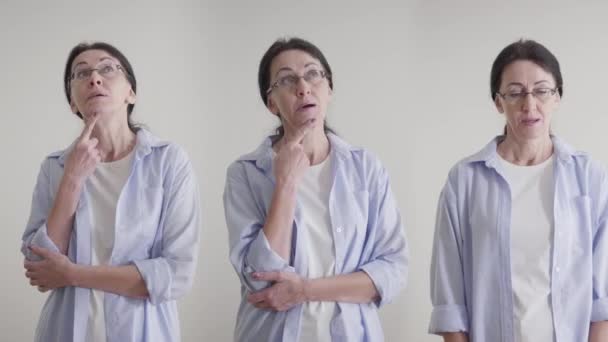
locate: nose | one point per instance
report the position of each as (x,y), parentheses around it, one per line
(95,78)
(528,102)
(302,87)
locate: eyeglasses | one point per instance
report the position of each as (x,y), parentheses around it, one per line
(541,94)
(289,82)
(107,71)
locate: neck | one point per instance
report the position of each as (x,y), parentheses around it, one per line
(316,146)
(525,151)
(115,139)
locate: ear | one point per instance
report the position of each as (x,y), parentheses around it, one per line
(558,100)
(272,107)
(73,107)
(131,97)
(498,104)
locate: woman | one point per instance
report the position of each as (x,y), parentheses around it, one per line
(520,250)
(113,230)
(315,235)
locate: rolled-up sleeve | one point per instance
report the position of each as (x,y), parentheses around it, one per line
(447,278)
(250,251)
(42,202)
(600,255)
(171,275)
(387,263)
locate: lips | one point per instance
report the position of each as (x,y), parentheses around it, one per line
(96,95)
(529,122)
(306,106)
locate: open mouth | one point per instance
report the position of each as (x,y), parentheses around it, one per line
(95,96)
(529,122)
(307,106)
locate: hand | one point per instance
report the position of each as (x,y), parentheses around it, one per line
(287,291)
(291,161)
(85,155)
(53,271)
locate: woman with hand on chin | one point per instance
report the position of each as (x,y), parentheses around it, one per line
(315,234)
(521,248)
(113,229)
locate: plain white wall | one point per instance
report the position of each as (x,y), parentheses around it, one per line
(411,85)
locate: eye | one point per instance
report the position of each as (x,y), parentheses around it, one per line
(542,91)
(288,80)
(106,69)
(515,94)
(312,74)
(82,74)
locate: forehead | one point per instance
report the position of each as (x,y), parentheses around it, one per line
(525,72)
(92,57)
(292,59)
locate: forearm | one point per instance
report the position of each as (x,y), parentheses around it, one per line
(278,225)
(455,337)
(598,331)
(60,220)
(121,280)
(356,287)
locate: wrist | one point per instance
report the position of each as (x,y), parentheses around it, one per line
(286,188)
(71,183)
(74,275)
(308,290)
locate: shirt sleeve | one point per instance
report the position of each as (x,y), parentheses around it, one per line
(250,251)
(36,231)
(599,310)
(171,275)
(387,251)
(449,312)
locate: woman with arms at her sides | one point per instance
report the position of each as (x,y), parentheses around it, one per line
(113,230)
(520,249)
(315,235)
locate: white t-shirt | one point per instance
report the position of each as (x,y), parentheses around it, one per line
(105,186)
(313,198)
(532,190)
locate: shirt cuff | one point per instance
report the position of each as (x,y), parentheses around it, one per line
(157,276)
(40,239)
(449,318)
(599,310)
(262,258)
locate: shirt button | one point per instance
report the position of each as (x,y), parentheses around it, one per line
(339,229)
(557,269)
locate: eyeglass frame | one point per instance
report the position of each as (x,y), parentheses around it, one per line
(91,70)
(523,94)
(275,84)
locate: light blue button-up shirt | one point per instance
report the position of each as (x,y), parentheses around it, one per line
(471,287)
(157,230)
(367,232)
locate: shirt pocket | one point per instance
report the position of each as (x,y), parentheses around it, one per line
(143,213)
(150,205)
(579,227)
(351,229)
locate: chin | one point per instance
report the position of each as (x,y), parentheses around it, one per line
(97,111)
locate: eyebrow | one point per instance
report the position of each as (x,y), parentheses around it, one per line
(100,60)
(521,84)
(290,69)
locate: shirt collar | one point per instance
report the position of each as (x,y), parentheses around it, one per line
(489,155)
(144,145)
(262,156)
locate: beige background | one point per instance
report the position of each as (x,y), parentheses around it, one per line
(411,84)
